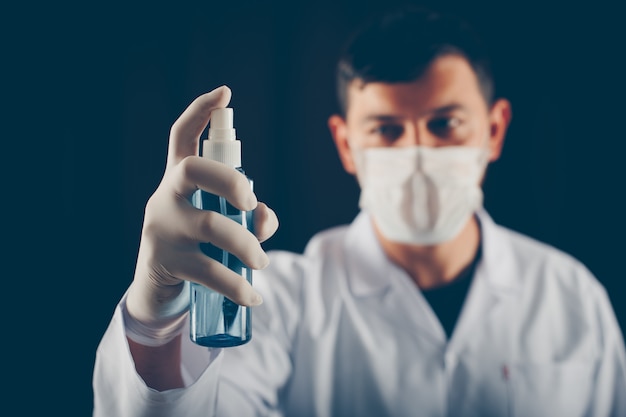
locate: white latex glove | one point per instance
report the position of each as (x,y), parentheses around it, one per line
(169,255)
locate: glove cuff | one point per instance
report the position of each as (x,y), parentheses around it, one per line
(145,335)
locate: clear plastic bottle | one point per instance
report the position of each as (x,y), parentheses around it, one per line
(217,321)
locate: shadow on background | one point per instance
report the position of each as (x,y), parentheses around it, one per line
(99,87)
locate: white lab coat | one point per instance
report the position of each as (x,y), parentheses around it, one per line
(344,332)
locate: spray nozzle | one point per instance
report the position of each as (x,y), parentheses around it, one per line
(222,124)
(222,144)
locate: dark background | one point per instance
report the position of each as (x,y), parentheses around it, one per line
(92,89)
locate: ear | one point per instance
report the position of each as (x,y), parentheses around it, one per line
(339,131)
(499,120)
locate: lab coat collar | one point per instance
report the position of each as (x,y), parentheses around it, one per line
(498,265)
(367,263)
(369,268)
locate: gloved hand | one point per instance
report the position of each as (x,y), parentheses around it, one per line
(169,255)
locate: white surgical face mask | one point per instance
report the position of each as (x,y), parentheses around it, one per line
(421,195)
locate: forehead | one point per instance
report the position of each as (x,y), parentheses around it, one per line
(448,80)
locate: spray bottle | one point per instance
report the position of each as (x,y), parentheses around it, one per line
(216,321)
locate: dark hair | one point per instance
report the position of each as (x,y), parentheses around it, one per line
(400,45)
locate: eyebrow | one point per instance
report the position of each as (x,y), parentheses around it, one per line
(381,118)
(448,108)
(393,118)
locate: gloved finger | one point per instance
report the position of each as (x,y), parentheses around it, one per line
(212,274)
(212,227)
(186,130)
(216,178)
(265,222)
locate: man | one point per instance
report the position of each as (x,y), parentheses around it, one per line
(422,306)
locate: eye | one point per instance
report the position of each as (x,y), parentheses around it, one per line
(389,132)
(444,126)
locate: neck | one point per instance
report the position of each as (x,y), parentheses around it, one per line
(435,265)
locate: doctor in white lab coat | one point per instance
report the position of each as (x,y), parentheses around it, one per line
(353,326)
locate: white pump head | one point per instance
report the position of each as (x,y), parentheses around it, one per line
(222,144)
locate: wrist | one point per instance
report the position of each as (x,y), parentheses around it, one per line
(154,321)
(151,335)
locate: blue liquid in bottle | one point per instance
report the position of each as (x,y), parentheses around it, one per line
(216,321)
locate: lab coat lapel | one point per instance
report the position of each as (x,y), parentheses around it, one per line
(370,273)
(365,259)
(489,302)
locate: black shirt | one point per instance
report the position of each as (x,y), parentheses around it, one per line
(447,300)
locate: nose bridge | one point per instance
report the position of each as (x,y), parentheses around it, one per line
(418,134)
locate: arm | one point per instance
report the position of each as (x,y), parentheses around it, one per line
(119,390)
(250,377)
(154,310)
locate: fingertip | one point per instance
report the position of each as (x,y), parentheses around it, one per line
(220,90)
(265,222)
(272,222)
(251,298)
(257,300)
(274,218)
(263,261)
(220,96)
(226,92)
(251,202)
